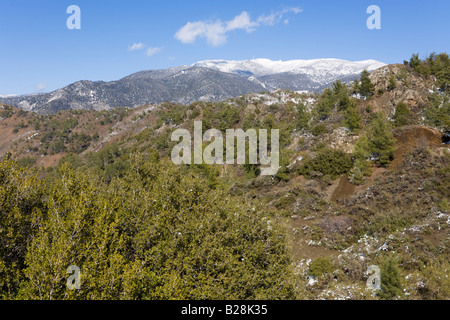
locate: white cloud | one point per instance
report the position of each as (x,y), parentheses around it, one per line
(153,51)
(215,32)
(149,52)
(241,21)
(136,46)
(40,86)
(276,17)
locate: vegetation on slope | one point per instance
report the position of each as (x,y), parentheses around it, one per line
(362,181)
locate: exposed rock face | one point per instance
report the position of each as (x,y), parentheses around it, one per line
(411,88)
(340,139)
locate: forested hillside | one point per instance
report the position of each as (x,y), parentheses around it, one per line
(364,180)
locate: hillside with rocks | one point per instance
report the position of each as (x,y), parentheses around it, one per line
(363,180)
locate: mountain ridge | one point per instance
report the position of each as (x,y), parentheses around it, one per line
(208,80)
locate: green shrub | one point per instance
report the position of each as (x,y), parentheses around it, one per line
(387,222)
(401,115)
(437,113)
(251,170)
(321,266)
(319,129)
(302,117)
(437,65)
(392,83)
(391,286)
(194,114)
(328,162)
(352,118)
(360,170)
(26,162)
(444,205)
(325,105)
(377,143)
(366,88)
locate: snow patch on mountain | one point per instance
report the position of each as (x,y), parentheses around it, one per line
(210,80)
(319,70)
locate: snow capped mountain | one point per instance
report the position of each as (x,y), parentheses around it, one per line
(318,70)
(211,80)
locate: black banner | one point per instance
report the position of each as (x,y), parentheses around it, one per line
(222,309)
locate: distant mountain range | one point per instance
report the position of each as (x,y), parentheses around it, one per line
(211,80)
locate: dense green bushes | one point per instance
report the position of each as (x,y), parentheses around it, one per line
(437,113)
(435,64)
(170,113)
(320,267)
(377,143)
(153,232)
(328,162)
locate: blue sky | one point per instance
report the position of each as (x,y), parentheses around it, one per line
(39,53)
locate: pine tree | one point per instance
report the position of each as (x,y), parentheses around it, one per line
(339,88)
(355,86)
(380,140)
(361,148)
(415,61)
(437,113)
(376,144)
(302,116)
(352,118)
(325,105)
(441,69)
(391,286)
(361,167)
(367,88)
(401,115)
